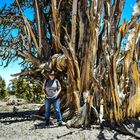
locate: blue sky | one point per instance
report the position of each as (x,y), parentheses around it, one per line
(15,68)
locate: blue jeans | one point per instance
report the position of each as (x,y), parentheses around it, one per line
(56,105)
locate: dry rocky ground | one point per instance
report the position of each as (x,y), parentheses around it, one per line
(28,129)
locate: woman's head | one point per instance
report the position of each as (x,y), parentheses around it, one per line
(52,75)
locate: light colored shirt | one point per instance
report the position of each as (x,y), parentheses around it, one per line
(51,87)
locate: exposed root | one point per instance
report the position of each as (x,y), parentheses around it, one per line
(132,130)
(84,118)
(127,127)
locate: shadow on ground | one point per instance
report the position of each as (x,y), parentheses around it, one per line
(13,117)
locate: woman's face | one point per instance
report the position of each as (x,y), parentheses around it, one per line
(52,75)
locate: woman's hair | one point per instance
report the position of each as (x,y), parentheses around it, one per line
(52,72)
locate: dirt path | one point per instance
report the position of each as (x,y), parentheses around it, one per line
(24,129)
(27,130)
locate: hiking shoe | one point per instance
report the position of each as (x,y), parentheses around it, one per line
(47,124)
(51,123)
(62,124)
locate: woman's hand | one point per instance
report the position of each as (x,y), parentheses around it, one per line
(57,93)
(55,96)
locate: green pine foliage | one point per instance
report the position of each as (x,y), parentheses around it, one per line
(29,90)
(3,92)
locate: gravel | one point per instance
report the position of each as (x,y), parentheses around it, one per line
(36,129)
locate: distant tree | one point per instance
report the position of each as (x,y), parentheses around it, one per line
(3,92)
(29,90)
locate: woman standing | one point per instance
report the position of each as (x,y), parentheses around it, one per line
(52,89)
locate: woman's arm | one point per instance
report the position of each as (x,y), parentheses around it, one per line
(44,87)
(59,89)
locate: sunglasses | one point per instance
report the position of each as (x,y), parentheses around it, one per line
(52,74)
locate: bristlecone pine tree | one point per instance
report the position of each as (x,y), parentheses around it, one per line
(97,58)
